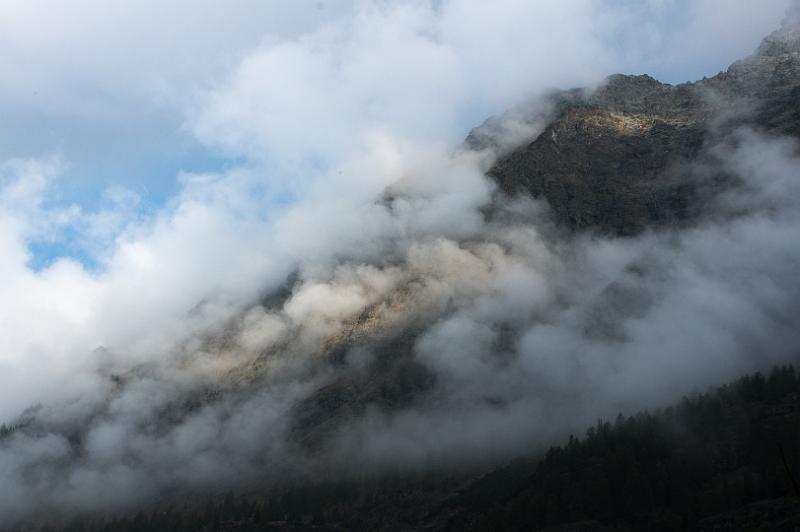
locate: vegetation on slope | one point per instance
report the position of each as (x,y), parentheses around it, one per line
(695,465)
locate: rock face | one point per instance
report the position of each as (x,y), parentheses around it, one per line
(619,159)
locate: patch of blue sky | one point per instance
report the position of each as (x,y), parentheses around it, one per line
(67,245)
(148,174)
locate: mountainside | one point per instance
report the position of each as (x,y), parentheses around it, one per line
(622,158)
(626,157)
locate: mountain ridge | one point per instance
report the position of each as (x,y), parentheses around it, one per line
(618,159)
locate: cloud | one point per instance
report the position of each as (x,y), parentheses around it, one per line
(410,70)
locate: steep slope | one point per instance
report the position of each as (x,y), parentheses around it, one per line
(621,158)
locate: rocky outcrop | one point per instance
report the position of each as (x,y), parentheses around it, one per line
(619,159)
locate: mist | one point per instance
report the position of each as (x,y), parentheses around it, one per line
(358,244)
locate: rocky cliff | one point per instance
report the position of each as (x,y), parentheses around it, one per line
(621,158)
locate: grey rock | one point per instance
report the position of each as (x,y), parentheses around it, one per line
(619,159)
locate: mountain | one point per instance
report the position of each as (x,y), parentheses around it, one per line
(621,158)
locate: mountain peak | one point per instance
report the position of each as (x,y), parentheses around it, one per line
(785,40)
(615,159)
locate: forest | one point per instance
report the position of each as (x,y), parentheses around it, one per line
(726,459)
